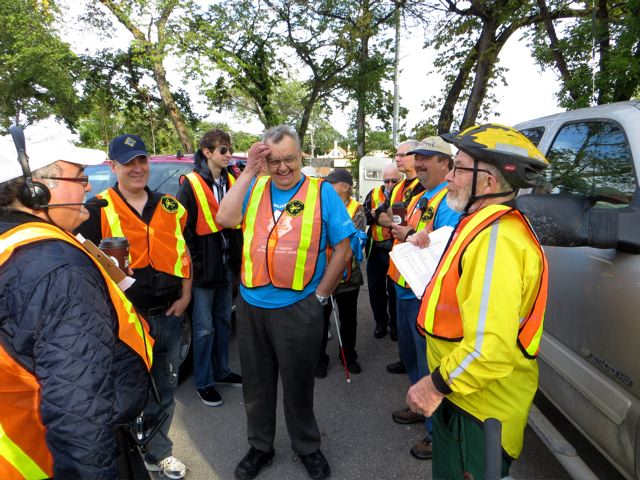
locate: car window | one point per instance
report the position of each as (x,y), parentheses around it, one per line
(163,177)
(533,134)
(592,158)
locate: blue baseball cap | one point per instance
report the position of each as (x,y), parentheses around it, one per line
(126,147)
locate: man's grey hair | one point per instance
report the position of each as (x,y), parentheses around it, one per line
(276,134)
(411,142)
(10,190)
(503,184)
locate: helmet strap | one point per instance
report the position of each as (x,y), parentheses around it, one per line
(473,198)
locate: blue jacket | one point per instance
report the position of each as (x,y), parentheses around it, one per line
(57,321)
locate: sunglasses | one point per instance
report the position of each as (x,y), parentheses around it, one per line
(391,180)
(84,179)
(224,149)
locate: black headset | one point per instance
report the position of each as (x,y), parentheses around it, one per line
(33,194)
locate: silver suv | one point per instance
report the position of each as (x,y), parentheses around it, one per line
(587,215)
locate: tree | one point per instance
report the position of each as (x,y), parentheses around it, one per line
(39,73)
(150,29)
(597,54)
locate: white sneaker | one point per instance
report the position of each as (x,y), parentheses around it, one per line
(170,467)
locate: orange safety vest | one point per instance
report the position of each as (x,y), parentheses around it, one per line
(439,314)
(418,220)
(352,208)
(402,191)
(378,233)
(23,449)
(207,203)
(292,242)
(159,244)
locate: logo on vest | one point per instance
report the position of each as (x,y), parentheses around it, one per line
(169,204)
(427,215)
(407,195)
(294,207)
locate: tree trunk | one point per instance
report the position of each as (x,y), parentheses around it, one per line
(361,113)
(446,113)
(487,58)
(602,33)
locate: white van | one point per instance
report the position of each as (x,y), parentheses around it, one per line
(370,174)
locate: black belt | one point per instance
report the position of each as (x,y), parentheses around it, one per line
(153,311)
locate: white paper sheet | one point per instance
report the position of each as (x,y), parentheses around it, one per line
(417,265)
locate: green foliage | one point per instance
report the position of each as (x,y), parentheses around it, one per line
(39,73)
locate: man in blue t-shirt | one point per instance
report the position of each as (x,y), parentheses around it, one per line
(288,221)
(432,163)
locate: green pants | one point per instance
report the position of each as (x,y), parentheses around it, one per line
(458,446)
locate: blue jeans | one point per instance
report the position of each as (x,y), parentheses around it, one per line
(412,345)
(166,356)
(211,331)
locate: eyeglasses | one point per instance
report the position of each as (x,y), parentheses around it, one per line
(224,149)
(469,169)
(391,180)
(274,163)
(84,179)
(401,155)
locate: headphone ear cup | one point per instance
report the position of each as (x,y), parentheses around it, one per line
(36,195)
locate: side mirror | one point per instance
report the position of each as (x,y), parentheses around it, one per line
(568,220)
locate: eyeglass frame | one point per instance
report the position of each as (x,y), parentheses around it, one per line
(274,164)
(402,155)
(470,169)
(223,149)
(83,179)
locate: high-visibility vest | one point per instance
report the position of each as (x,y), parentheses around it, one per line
(418,220)
(207,203)
(439,314)
(403,190)
(378,233)
(352,208)
(283,252)
(159,244)
(23,449)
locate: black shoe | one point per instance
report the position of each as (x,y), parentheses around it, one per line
(354,367)
(210,397)
(251,464)
(393,335)
(379,332)
(321,370)
(316,465)
(396,367)
(233,380)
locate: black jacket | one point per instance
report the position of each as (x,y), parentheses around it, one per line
(57,321)
(214,254)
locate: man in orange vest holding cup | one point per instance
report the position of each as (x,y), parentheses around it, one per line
(288,221)
(483,309)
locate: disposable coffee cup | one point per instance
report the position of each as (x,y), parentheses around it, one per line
(399,210)
(117,248)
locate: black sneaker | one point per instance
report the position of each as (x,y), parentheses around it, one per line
(321,370)
(233,380)
(251,464)
(396,367)
(210,397)
(316,465)
(380,332)
(354,367)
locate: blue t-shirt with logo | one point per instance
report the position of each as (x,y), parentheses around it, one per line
(336,226)
(444,217)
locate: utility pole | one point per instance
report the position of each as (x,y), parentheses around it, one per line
(396,66)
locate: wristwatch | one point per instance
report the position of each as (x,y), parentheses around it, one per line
(322,299)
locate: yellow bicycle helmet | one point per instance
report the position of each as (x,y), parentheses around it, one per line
(511,152)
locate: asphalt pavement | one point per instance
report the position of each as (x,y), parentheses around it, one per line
(359,438)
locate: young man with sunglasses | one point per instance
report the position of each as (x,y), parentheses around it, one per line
(215,253)
(153,223)
(288,221)
(382,295)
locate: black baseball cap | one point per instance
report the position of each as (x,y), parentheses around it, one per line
(126,147)
(340,175)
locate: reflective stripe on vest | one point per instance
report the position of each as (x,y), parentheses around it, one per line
(352,208)
(207,203)
(378,233)
(402,191)
(439,314)
(291,243)
(160,244)
(418,220)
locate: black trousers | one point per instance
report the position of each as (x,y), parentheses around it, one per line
(382,294)
(283,341)
(347,303)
